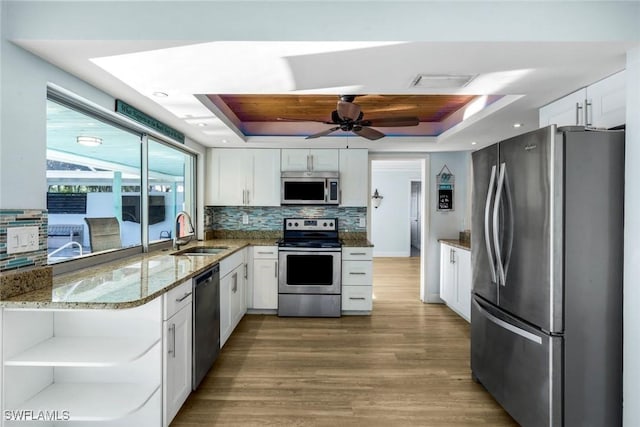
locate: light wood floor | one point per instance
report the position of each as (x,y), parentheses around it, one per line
(406,365)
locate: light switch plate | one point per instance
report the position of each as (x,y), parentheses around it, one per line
(22,239)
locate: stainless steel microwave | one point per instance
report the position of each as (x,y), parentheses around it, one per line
(310,188)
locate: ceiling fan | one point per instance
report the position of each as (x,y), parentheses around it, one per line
(348,117)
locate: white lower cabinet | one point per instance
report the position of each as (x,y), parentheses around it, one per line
(357,280)
(177,350)
(233,304)
(83,367)
(455,279)
(265,278)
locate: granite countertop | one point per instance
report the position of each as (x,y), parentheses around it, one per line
(457,243)
(129,282)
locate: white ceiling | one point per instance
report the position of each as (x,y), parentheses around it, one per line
(530,73)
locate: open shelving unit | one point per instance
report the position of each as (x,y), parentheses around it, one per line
(101,367)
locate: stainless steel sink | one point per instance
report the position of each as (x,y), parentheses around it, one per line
(202,251)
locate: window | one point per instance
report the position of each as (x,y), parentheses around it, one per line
(95,170)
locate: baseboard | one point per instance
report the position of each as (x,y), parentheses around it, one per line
(400,254)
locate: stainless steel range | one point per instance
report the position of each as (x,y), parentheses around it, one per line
(310,273)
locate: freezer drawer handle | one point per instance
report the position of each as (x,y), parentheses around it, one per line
(487,209)
(511,328)
(496,212)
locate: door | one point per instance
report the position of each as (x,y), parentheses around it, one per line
(519,365)
(324,160)
(309,271)
(415,213)
(484,278)
(264,177)
(178,361)
(265,288)
(524,197)
(567,111)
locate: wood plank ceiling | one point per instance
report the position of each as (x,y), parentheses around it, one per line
(270,108)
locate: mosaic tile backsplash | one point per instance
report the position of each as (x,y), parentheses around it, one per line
(270,218)
(23,218)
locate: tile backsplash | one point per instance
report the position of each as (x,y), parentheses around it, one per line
(269,218)
(23,218)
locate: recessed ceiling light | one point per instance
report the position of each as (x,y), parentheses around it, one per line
(160,94)
(517,125)
(224,141)
(89,141)
(202,124)
(473,143)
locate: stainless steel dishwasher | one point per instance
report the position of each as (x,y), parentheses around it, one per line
(206,323)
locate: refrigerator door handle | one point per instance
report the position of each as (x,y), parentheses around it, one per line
(496,213)
(487,237)
(506,325)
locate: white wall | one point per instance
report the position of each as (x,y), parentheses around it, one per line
(631,246)
(445,225)
(390,226)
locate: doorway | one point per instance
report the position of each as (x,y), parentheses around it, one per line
(415,217)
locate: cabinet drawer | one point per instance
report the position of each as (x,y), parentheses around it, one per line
(230,263)
(357,298)
(177,298)
(363,254)
(261,252)
(357,273)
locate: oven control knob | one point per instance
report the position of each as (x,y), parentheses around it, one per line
(296,224)
(330,224)
(289,224)
(325,224)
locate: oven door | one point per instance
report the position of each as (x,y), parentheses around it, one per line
(304,191)
(309,271)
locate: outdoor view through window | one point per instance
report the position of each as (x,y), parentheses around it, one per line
(94,185)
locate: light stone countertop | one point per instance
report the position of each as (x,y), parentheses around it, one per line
(129,282)
(457,243)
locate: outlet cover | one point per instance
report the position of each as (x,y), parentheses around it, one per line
(362,222)
(245,219)
(22,239)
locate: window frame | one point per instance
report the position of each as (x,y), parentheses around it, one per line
(72,101)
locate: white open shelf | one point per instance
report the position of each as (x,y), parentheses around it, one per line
(84,351)
(91,401)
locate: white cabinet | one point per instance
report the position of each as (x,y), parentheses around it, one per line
(354,177)
(455,279)
(177,350)
(233,305)
(90,367)
(324,160)
(600,105)
(357,280)
(265,278)
(243,177)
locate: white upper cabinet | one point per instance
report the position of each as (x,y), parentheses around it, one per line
(600,105)
(354,177)
(323,160)
(243,177)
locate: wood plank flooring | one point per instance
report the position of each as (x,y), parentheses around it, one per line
(405,365)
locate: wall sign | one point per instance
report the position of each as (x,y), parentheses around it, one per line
(142,118)
(445,182)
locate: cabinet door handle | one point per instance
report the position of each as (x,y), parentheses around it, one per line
(357,273)
(308,163)
(578,108)
(358,298)
(244,198)
(588,112)
(235,282)
(248,197)
(246,271)
(172,332)
(276,270)
(311,161)
(357,253)
(266,253)
(184,297)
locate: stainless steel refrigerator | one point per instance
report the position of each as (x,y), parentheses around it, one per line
(547,252)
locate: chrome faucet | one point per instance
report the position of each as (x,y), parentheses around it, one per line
(184,238)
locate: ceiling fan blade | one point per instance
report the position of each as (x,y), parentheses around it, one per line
(348,110)
(368,133)
(392,122)
(323,133)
